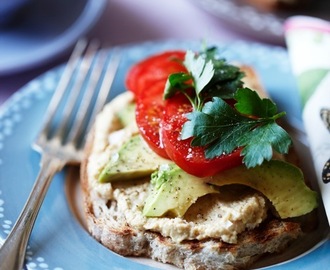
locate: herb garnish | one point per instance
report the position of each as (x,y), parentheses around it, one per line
(219,127)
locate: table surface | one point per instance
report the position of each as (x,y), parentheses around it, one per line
(127,21)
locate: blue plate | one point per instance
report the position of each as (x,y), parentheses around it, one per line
(59,240)
(44,29)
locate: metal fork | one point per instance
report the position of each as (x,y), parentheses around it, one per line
(61,139)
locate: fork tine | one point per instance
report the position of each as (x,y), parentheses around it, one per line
(101,96)
(64,81)
(106,84)
(82,77)
(87,98)
(86,78)
(58,94)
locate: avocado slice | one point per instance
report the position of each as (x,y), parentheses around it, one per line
(127,115)
(133,160)
(281,182)
(173,191)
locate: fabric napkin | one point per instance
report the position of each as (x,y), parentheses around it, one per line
(308,43)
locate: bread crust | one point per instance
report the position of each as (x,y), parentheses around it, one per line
(114,233)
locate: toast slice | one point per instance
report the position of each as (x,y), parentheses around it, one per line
(108,223)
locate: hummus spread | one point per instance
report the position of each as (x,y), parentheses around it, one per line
(221,216)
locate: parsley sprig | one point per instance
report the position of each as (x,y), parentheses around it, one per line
(208,75)
(219,127)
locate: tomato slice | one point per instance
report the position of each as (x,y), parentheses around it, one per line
(190,159)
(154,69)
(148,114)
(146,80)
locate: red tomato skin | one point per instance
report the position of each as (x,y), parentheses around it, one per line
(148,114)
(148,117)
(146,80)
(190,159)
(155,68)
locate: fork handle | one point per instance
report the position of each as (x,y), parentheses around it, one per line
(12,252)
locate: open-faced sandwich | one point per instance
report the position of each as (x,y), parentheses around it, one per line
(188,166)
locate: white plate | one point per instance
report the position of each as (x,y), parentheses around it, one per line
(44,29)
(59,240)
(262,25)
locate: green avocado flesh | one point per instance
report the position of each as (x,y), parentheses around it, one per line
(127,115)
(282,183)
(133,160)
(173,191)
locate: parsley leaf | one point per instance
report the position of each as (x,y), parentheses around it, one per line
(249,103)
(227,78)
(258,143)
(222,129)
(208,75)
(200,69)
(218,126)
(176,82)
